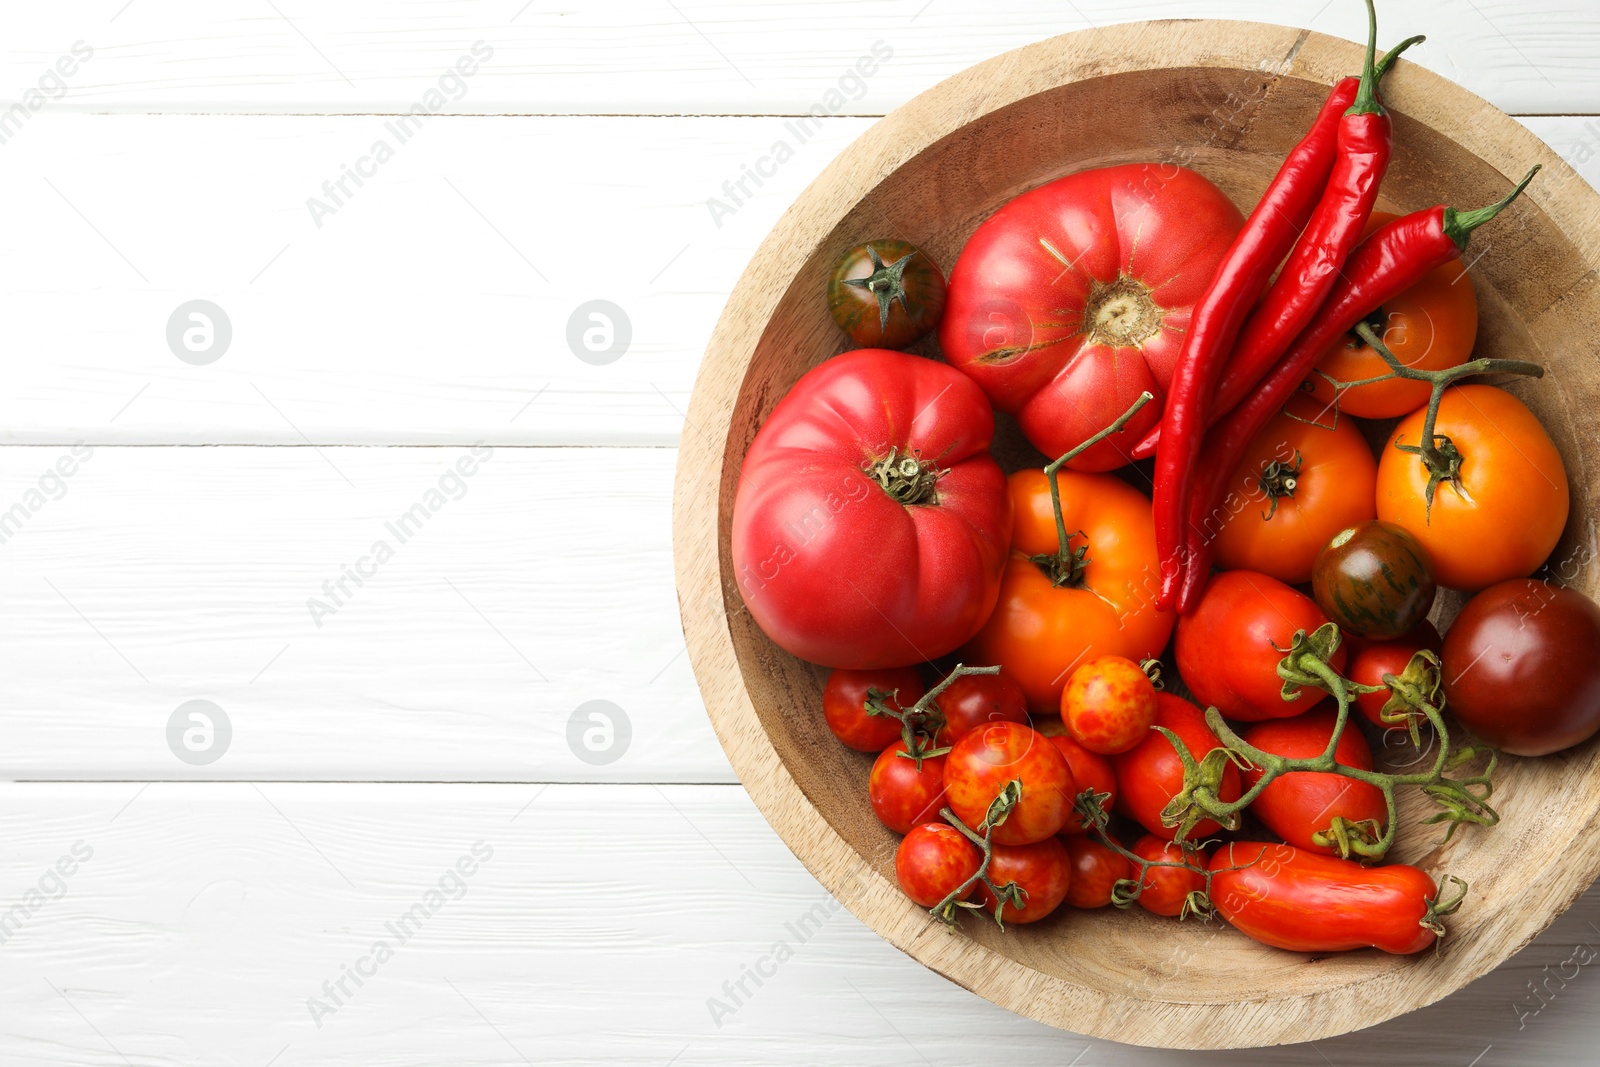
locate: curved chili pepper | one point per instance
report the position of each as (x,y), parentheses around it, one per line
(1392,259)
(1331,178)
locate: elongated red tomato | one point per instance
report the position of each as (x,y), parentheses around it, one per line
(1228,648)
(1073,298)
(1297,900)
(1151,774)
(871,523)
(1297,806)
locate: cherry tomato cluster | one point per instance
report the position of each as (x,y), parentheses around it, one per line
(996,639)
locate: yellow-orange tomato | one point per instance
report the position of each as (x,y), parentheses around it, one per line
(1509,506)
(1430,326)
(1298,485)
(1039,631)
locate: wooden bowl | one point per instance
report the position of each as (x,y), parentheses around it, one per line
(1229,99)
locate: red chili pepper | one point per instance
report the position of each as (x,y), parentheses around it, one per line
(1391,260)
(1331,178)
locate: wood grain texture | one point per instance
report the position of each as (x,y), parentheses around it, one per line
(1064,105)
(693,56)
(599,931)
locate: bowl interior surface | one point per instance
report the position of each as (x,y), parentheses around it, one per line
(1231,113)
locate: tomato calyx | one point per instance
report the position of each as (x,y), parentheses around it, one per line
(921,722)
(886,282)
(908,478)
(1438,908)
(1279,479)
(1421,684)
(1011,893)
(1347,836)
(1121,313)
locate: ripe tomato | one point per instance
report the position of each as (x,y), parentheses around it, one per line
(886,294)
(1108,705)
(1225,648)
(1371,660)
(1165,890)
(1522,667)
(1090,770)
(1041,631)
(1297,900)
(1043,871)
(844,704)
(1095,870)
(933,860)
(901,795)
(1297,806)
(1298,485)
(1510,505)
(1431,326)
(975,699)
(1072,299)
(1375,580)
(1150,774)
(982,763)
(871,523)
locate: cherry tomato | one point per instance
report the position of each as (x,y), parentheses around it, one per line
(975,699)
(1522,667)
(901,795)
(844,704)
(1163,890)
(1072,299)
(1297,900)
(1041,868)
(1150,774)
(1371,660)
(1090,770)
(1298,805)
(1375,580)
(1041,631)
(1108,705)
(933,860)
(1298,485)
(871,523)
(1227,649)
(886,294)
(982,763)
(1510,505)
(1095,870)
(1431,326)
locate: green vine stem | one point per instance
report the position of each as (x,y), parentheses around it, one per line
(1065,566)
(1010,893)
(1461,799)
(922,721)
(1437,452)
(1091,808)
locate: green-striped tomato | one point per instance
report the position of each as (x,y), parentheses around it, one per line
(1375,580)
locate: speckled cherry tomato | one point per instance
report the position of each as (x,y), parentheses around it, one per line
(1298,806)
(1163,890)
(1108,705)
(1090,770)
(1095,869)
(844,700)
(1041,868)
(886,294)
(1150,774)
(1375,580)
(933,860)
(982,763)
(903,796)
(973,700)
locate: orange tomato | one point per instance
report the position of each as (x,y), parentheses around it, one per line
(1298,485)
(1041,632)
(1506,511)
(1430,326)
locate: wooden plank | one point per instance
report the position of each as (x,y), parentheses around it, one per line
(151,577)
(695,56)
(603,921)
(432,307)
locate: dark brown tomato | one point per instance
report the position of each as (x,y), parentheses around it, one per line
(1375,580)
(886,294)
(1522,667)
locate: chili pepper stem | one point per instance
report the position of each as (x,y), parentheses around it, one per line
(1458,225)
(1394,53)
(1367,95)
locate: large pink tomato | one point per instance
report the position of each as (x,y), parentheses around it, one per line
(871,523)
(1073,299)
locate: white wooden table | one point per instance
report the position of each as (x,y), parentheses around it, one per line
(392,755)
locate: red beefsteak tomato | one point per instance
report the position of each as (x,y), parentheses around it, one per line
(871,524)
(1073,298)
